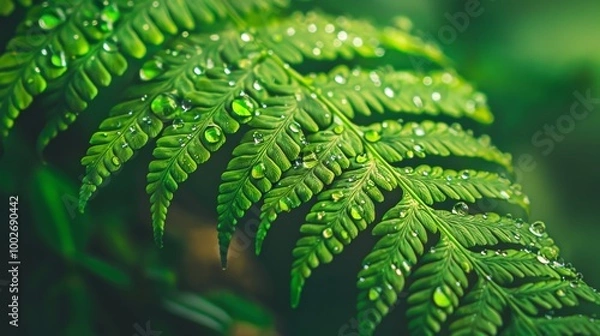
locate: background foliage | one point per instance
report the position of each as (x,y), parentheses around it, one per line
(529,71)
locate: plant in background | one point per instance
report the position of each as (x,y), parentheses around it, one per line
(332,139)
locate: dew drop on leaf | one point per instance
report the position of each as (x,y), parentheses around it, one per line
(310,160)
(389,92)
(361,158)
(178,123)
(372,136)
(327,233)
(110,13)
(258,171)
(213,134)
(320,215)
(337,195)
(115,160)
(338,129)
(537,228)
(151,69)
(344,234)
(461,209)
(49,21)
(165,106)
(59,59)
(417,101)
(109,47)
(466,266)
(243,107)
(258,138)
(440,298)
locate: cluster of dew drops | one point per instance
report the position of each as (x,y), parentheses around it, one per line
(52,17)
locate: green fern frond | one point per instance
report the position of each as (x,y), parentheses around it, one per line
(480,312)
(386,268)
(127,30)
(39,53)
(325,156)
(236,67)
(434,93)
(342,211)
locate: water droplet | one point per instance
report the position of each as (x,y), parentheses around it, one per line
(178,123)
(49,21)
(427,80)
(165,106)
(337,195)
(110,13)
(440,298)
(361,158)
(59,59)
(436,96)
(372,136)
(461,209)
(151,69)
(418,131)
(465,174)
(310,160)
(466,266)
(550,252)
(344,234)
(542,259)
(258,171)
(115,160)
(417,101)
(243,108)
(389,92)
(338,129)
(258,138)
(560,293)
(327,233)
(320,215)
(373,294)
(109,47)
(356,213)
(538,228)
(213,134)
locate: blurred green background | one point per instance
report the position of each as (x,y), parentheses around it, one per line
(99,273)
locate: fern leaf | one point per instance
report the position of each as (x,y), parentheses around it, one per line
(552,294)
(480,312)
(128,128)
(340,214)
(81,85)
(568,325)
(400,141)
(326,155)
(440,283)
(38,54)
(144,113)
(320,36)
(436,93)
(189,140)
(265,152)
(144,23)
(435,184)
(386,268)
(488,230)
